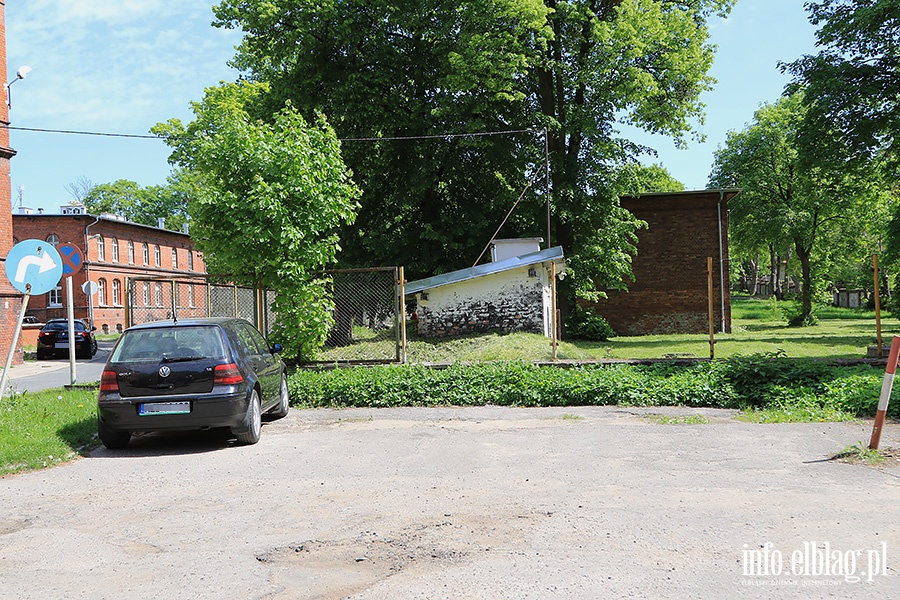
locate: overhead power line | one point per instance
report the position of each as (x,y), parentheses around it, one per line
(442,136)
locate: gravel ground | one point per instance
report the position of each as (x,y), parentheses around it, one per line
(492,503)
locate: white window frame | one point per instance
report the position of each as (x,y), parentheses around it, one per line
(101,292)
(101,249)
(115,249)
(54,297)
(130,252)
(116,292)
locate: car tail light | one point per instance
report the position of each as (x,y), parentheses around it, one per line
(227,375)
(109,381)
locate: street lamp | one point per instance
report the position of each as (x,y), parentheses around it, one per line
(20,74)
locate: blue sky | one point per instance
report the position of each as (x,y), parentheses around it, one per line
(120,66)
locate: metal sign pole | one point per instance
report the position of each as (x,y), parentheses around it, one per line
(15,340)
(70,313)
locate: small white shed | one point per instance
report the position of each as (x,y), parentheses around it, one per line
(512,294)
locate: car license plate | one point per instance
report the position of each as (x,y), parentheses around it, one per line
(61,345)
(164,408)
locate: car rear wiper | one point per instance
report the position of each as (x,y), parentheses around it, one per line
(171,359)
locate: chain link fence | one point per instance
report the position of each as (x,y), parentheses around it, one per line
(157,299)
(366,309)
(368,320)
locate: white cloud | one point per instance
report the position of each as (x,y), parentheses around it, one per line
(113,65)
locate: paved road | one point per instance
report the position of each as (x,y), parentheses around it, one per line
(476,503)
(36,375)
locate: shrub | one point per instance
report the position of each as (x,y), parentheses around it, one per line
(808,388)
(587,324)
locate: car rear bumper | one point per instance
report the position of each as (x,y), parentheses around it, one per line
(206,411)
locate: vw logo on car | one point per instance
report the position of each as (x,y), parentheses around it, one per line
(164,371)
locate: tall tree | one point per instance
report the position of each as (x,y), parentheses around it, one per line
(267,200)
(387,69)
(852,86)
(145,205)
(786,195)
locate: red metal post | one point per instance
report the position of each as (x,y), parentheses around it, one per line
(885,397)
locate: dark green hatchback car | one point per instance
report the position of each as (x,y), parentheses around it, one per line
(190,375)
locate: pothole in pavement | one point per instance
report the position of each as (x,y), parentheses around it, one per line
(339,568)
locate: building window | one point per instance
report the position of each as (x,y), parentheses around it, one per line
(157,255)
(130,253)
(146,254)
(115,250)
(101,249)
(191,296)
(158,294)
(117,292)
(146,293)
(55,296)
(174,258)
(53,239)
(190,261)
(101,292)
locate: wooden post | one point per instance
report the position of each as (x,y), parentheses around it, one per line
(712,319)
(877,305)
(554,317)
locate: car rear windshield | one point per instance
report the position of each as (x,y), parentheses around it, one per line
(173,343)
(62,326)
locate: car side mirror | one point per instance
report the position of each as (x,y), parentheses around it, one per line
(277,348)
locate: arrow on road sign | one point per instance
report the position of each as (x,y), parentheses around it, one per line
(44,261)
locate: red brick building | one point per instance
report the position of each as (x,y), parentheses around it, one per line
(669,293)
(10,298)
(115,251)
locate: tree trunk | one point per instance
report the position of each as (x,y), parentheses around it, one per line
(754,276)
(803,255)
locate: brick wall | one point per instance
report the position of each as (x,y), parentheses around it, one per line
(113,268)
(669,293)
(10,298)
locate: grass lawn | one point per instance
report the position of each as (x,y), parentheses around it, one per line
(757,327)
(41,429)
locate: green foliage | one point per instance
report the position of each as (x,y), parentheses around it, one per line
(852,88)
(769,387)
(385,69)
(588,324)
(145,205)
(791,197)
(268,198)
(45,428)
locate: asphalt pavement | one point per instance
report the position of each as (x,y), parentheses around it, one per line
(484,503)
(37,375)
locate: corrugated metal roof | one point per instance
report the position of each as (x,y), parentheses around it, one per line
(554,254)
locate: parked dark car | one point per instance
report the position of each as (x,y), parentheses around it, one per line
(190,375)
(53,339)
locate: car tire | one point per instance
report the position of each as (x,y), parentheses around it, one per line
(112,438)
(252,427)
(41,355)
(86,353)
(284,401)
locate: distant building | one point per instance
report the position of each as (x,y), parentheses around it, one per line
(669,293)
(115,251)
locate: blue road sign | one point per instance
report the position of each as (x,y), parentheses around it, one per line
(71,258)
(34,266)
